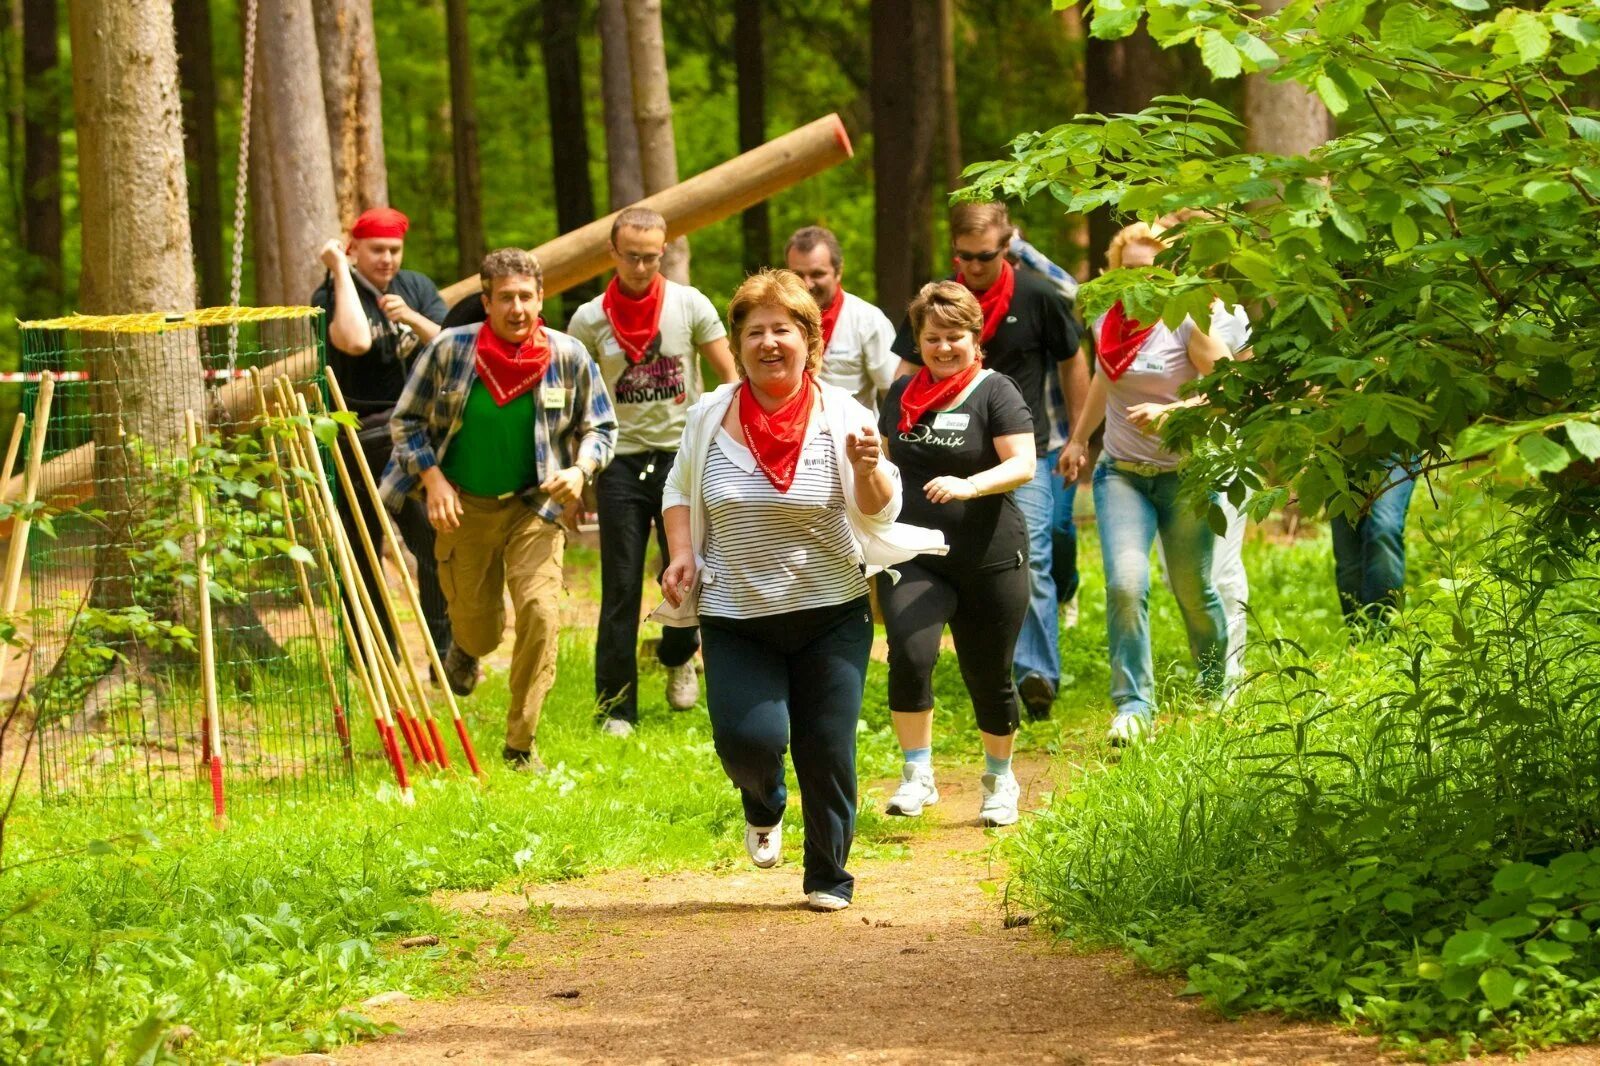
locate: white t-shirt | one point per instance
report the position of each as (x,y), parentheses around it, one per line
(651,397)
(860,358)
(1157,374)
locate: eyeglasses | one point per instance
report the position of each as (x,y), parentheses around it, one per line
(982,257)
(640,260)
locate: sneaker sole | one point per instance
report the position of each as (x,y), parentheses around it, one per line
(903,812)
(991,822)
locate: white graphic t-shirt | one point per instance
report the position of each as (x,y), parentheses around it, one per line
(652,396)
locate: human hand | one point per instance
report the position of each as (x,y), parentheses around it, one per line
(1149,416)
(565,486)
(444,505)
(864,449)
(678,578)
(1073,455)
(946,489)
(394,308)
(332,255)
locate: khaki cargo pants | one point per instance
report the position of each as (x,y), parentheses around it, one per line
(504,544)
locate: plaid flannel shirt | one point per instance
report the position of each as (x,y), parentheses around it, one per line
(428,416)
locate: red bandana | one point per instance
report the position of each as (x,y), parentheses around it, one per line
(830,316)
(995,300)
(507,369)
(634,319)
(776,439)
(1120,340)
(924,393)
(380,222)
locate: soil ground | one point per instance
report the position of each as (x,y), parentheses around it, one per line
(727,968)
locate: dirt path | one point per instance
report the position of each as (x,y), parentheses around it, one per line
(708,968)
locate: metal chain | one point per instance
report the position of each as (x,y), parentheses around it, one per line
(242,179)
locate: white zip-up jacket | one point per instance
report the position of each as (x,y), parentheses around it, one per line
(880,541)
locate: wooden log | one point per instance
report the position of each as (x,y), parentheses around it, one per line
(716,194)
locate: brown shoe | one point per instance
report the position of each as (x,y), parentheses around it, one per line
(461,671)
(524,761)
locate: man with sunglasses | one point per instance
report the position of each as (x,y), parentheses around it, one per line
(648,335)
(1028,334)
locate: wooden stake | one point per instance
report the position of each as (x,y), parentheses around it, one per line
(17,554)
(208,648)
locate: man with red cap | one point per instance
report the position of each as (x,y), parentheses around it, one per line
(647,335)
(379,316)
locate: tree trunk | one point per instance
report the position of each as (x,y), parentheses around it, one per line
(352,94)
(1122,76)
(464,137)
(199,87)
(904,63)
(624,172)
(750,66)
(263,215)
(289,92)
(11,99)
(652,115)
(42,290)
(569,130)
(1282,117)
(949,113)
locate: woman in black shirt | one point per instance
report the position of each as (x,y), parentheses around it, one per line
(963,439)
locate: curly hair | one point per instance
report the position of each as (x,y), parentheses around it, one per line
(509,263)
(783,290)
(1137,233)
(946,303)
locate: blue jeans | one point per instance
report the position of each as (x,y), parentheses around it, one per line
(1037,649)
(1131,510)
(1369,556)
(1063,533)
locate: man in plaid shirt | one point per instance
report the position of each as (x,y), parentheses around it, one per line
(500,427)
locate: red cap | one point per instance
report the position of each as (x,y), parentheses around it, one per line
(380,222)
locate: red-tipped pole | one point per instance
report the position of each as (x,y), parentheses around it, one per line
(439,753)
(466,746)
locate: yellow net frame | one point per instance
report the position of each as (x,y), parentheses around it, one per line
(164,322)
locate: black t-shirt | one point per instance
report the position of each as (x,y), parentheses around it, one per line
(1038,332)
(959,442)
(373,382)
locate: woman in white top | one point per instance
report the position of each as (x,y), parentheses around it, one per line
(1142,371)
(780,504)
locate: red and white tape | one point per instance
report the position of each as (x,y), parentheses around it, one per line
(32,377)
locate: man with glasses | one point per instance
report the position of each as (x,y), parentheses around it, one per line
(1028,334)
(647,334)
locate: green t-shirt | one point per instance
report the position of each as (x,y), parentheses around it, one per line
(494,451)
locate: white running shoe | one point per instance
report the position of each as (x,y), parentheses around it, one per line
(916,791)
(1000,795)
(1129,728)
(764,845)
(826,901)
(683,686)
(616,727)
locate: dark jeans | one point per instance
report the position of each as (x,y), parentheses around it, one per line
(412,525)
(629,494)
(793,680)
(1063,533)
(1369,556)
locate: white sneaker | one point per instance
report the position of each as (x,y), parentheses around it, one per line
(683,686)
(616,727)
(1069,613)
(1000,795)
(1129,728)
(826,901)
(764,845)
(916,791)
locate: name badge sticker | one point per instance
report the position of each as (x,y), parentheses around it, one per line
(951,420)
(611,348)
(552,397)
(1149,363)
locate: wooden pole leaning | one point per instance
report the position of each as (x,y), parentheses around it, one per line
(413,597)
(208,645)
(368,642)
(308,601)
(17,554)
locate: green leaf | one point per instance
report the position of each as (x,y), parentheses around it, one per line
(1575,29)
(1531,36)
(1429,971)
(1515,928)
(1219,55)
(1513,876)
(1570,930)
(1256,50)
(1472,947)
(1400,902)
(1542,454)
(1586,128)
(299,554)
(1544,191)
(1549,952)
(1471,5)
(1341,17)
(326,430)
(1404,230)
(1499,989)
(1584,436)
(1332,96)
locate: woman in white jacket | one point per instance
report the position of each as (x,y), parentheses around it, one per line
(780,505)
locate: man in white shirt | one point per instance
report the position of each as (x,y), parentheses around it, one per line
(647,334)
(857,338)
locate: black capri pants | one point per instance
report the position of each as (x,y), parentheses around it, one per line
(983,607)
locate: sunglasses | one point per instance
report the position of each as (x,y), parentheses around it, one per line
(982,257)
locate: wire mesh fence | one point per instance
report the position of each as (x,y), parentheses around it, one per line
(139,521)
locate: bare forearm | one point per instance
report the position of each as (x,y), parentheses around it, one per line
(1094,410)
(874,491)
(1013,473)
(1074,375)
(679,541)
(348,329)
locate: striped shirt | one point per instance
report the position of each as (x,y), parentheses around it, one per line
(770,552)
(575,421)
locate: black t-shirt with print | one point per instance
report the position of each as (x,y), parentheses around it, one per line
(373,382)
(1038,332)
(959,442)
